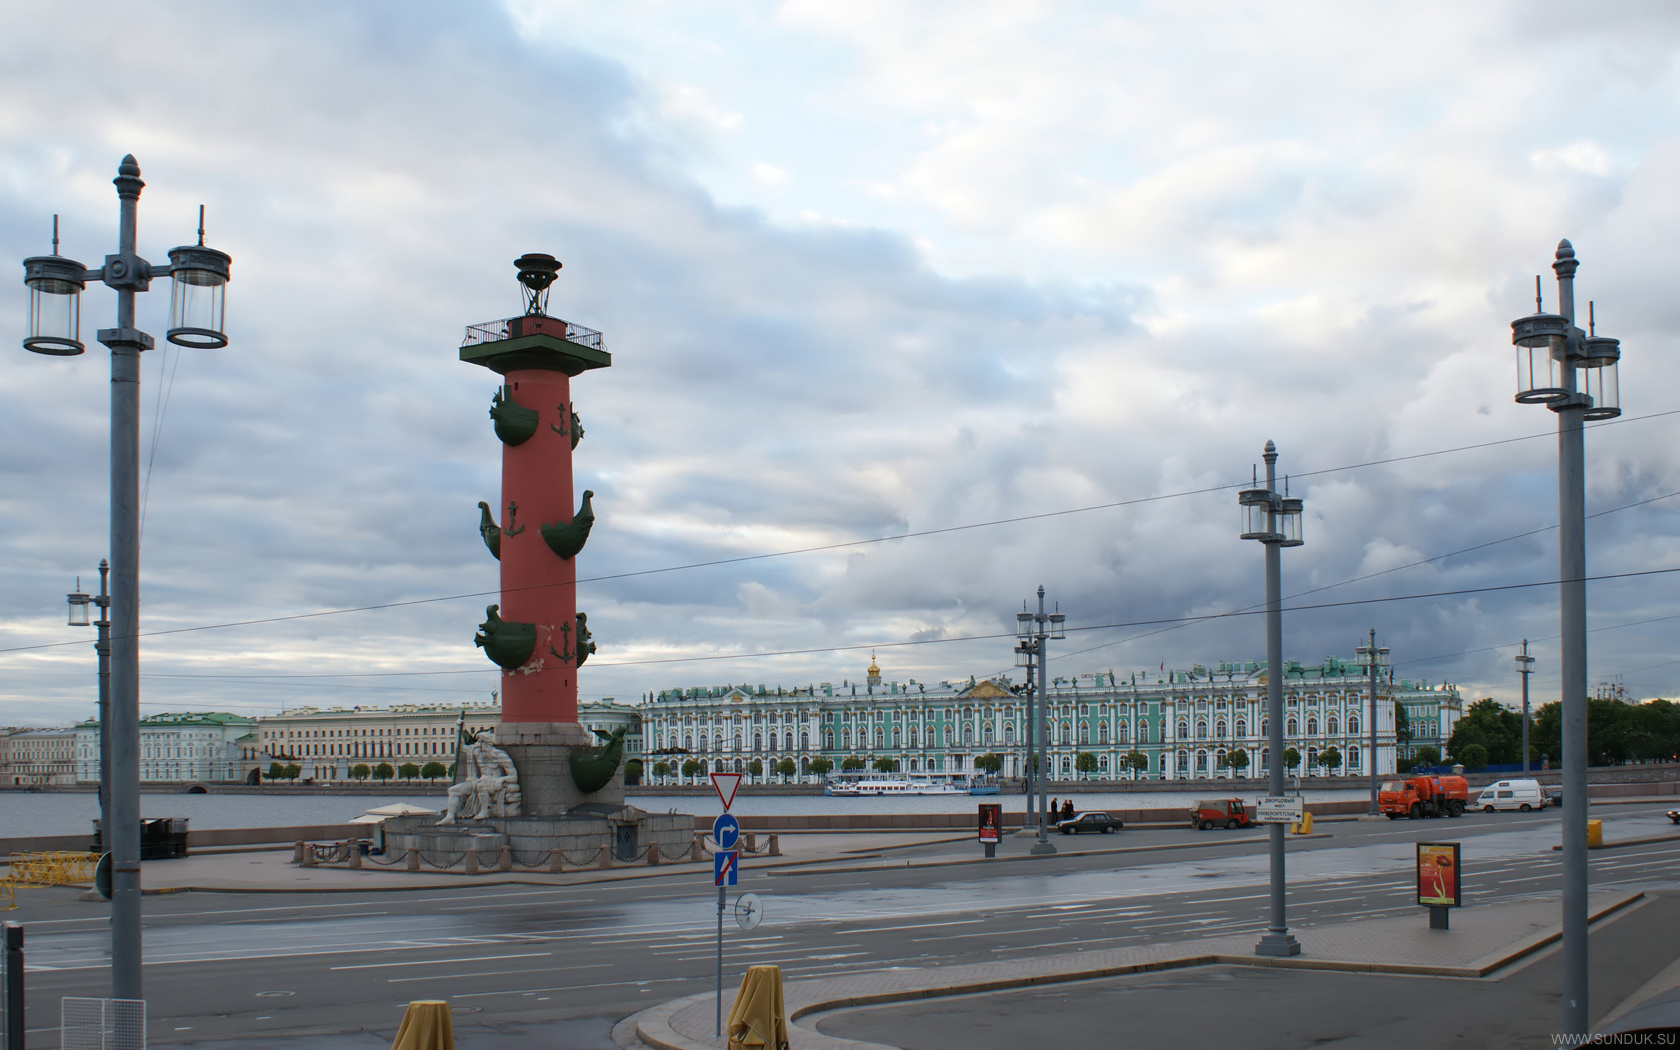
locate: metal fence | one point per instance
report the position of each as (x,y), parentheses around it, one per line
(102,1024)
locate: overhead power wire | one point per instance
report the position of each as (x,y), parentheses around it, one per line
(858,543)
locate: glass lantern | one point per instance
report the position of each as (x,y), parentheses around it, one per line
(196,306)
(78,603)
(55,305)
(1541,341)
(1289,522)
(1599,377)
(1256,507)
(1056,628)
(1023,625)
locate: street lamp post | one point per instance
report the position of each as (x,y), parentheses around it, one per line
(1525,664)
(1573,373)
(1024,658)
(79,603)
(199,278)
(1372,658)
(1275,520)
(1034,630)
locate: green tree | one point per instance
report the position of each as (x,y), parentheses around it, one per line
(1085,762)
(821,766)
(633,770)
(1330,759)
(788,768)
(690,767)
(408,771)
(1473,756)
(885,764)
(661,769)
(755,768)
(276,771)
(1402,726)
(1237,760)
(359,771)
(1489,724)
(988,763)
(851,763)
(293,771)
(433,770)
(1291,758)
(1136,761)
(383,772)
(1427,755)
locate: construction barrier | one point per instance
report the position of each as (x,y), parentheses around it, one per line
(55,868)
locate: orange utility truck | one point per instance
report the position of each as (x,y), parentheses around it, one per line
(1424,797)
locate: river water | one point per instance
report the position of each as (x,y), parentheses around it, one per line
(26,813)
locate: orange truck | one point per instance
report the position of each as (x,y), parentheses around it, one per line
(1424,797)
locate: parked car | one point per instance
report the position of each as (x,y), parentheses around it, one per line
(1674,815)
(1220,813)
(1554,797)
(1088,822)
(1511,794)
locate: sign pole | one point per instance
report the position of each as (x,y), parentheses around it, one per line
(719,1025)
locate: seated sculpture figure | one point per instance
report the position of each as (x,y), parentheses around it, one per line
(489,785)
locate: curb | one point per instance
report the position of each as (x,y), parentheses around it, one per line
(653,1028)
(1629,842)
(952,861)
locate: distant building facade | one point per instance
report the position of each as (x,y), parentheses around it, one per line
(1185,724)
(40,756)
(175,748)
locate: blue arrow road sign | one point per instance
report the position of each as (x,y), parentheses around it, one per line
(726,830)
(724,868)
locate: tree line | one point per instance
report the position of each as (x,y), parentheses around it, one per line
(1617,733)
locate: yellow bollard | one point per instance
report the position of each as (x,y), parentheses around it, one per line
(758,1018)
(1305,825)
(1595,834)
(425,1026)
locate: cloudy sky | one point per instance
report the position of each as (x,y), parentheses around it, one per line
(868,271)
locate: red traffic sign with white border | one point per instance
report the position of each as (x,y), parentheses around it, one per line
(725,785)
(724,868)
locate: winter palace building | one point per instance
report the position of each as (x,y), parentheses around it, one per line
(1184,722)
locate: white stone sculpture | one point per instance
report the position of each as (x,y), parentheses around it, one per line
(489,785)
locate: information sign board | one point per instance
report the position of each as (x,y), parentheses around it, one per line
(724,868)
(1438,875)
(1279,809)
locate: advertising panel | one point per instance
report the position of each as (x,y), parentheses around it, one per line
(1438,874)
(991,822)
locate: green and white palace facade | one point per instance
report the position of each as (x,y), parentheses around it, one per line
(1187,723)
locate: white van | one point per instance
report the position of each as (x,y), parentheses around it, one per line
(1511,794)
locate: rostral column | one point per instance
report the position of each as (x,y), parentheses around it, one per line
(535,633)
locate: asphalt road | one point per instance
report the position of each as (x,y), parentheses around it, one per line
(571,961)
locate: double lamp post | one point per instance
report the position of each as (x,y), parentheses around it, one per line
(199,277)
(1034,630)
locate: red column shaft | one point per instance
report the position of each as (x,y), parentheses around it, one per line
(538,586)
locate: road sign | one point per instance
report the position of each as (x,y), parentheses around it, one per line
(1279,809)
(724,868)
(748,912)
(726,831)
(725,785)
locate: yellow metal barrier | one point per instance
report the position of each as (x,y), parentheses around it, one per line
(1304,825)
(55,868)
(1595,834)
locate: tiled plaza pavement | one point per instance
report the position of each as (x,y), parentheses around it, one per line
(1481,940)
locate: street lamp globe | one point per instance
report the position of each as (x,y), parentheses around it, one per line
(1256,507)
(1023,625)
(197,308)
(78,603)
(1599,376)
(1541,340)
(1289,522)
(55,303)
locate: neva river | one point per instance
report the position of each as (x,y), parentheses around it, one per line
(24,813)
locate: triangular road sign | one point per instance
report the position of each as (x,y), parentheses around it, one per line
(725,785)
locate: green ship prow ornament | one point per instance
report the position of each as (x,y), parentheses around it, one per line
(591,773)
(514,422)
(488,528)
(507,642)
(567,538)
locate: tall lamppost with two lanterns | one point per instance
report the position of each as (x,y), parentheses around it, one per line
(199,278)
(1575,374)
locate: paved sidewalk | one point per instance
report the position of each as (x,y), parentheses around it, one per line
(1482,940)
